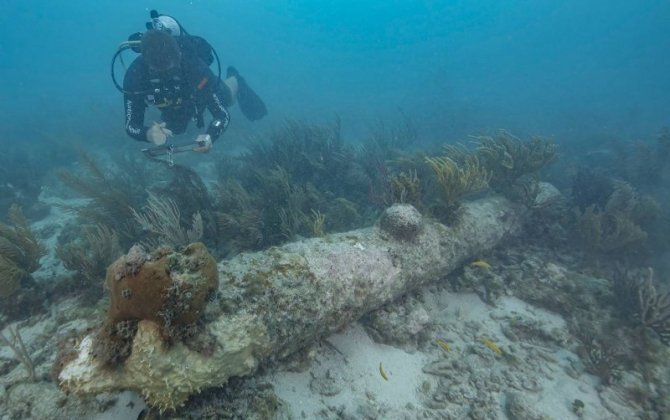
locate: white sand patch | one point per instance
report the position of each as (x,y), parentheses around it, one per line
(355,372)
(352,369)
(49,228)
(561,391)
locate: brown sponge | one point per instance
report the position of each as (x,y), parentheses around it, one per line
(166,287)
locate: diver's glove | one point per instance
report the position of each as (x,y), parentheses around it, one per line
(203,143)
(158,134)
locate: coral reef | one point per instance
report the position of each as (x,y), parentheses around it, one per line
(307,153)
(591,188)
(162,219)
(190,194)
(643,163)
(23,168)
(494,358)
(604,317)
(239,219)
(316,222)
(458,173)
(245,221)
(20,254)
(550,217)
(633,177)
(89,256)
(111,198)
(115,199)
(508,158)
(313,179)
(15,342)
(640,300)
(616,228)
(320,285)
(654,307)
(601,357)
(405,188)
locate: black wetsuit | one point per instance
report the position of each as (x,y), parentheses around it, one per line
(181,96)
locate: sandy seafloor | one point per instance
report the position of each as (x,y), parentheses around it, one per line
(537,374)
(351,372)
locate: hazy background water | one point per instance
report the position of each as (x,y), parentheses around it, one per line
(572,69)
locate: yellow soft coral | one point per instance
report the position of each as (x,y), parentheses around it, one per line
(458,176)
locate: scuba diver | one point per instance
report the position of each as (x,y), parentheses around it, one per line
(173,74)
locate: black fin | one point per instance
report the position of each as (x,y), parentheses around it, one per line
(231,71)
(251,105)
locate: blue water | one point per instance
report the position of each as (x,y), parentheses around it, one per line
(589,74)
(569,69)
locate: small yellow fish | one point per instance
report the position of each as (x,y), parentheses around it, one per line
(383,372)
(481,264)
(491,345)
(443,344)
